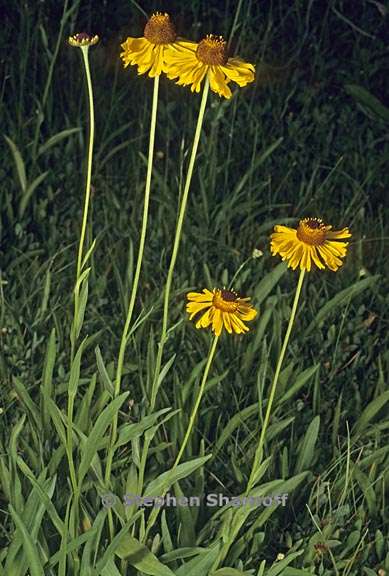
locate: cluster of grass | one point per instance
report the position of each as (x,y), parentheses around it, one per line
(308,138)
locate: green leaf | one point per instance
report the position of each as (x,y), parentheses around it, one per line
(79,320)
(140,556)
(34,562)
(130,431)
(364,97)
(280,566)
(57,138)
(106,380)
(270,280)
(26,399)
(20,168)
(295,572)
(44,494)
(233,424)
(109,569)
(307,450)
(370,412)
(164,481)
(230,572)
(56,417)
(343,296)
(90,446)
(202,564)
(74,377)
(300,381)
(367,488)
(29,192)
(88,254)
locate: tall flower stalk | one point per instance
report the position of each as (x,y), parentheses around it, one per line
(220,309)
(83,41)
(176,245)
(190,63)
(124,337)
(313,243)
(259,451)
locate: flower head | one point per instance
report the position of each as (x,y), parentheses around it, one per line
(148,53)
(312,241)
(191,63)
(83,39)
(223,308)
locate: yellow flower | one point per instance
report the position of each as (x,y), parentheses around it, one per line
(313,241)
(191,62)
(83,39)
(223,307)
(148,53)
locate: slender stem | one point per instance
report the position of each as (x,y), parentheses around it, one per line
(73,518)
(124,338)
(176,244)
(69,447)
(238,523)
(84,50)
(198,400)
(231,284)
(154,514)
(259,451)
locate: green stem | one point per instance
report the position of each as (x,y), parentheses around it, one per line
(69,447)
(84,50)
(176,245)
(231,284)
(124,338)
(238,523)
(154,514)
(259,451)
(198,400)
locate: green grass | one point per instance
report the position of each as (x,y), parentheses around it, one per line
(309,138)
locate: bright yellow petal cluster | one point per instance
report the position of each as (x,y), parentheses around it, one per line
(191,62)
(222,308)
(312,242)
(149,52)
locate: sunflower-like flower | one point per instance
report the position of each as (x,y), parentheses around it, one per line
(312,241)
(191,62)
(148,53)
(223,308)
(83,39)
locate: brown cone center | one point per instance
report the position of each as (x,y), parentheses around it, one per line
(212,51)
(160,30)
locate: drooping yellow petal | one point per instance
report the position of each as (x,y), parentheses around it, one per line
(339,234)
(217,82)
(227,322)
(137,51)
(217,322)
(158,64)
(205,319)
(239,71)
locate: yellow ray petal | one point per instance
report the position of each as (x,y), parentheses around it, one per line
(217,323)
(344,233)
(217,82)
(238,71)
(227,322)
